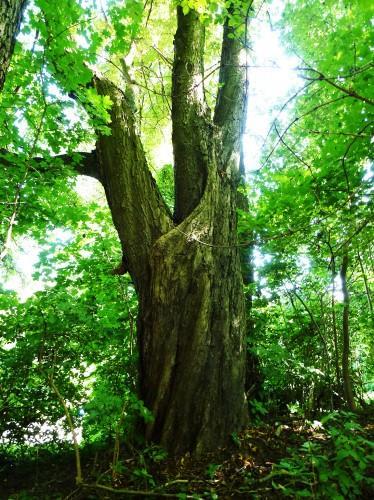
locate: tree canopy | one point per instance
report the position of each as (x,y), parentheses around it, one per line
(181,303)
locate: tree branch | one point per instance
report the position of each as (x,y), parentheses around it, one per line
(349,92)
(229,113)
(83,163)
(189,114)
(138,210)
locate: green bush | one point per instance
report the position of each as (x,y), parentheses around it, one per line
(335,466)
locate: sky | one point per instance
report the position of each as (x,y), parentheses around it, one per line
(272,78)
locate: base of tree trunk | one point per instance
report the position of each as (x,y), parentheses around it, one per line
(192,328)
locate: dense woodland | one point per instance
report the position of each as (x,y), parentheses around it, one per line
(193,328)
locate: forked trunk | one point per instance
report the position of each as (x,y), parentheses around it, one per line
(192,329)
(186,268)
(191,322)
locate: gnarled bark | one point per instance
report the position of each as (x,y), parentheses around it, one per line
(194,347)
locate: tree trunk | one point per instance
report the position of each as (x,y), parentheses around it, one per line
(335,336)
(366,283)
(186,269)
(347,382)
(10,20)
(193,350)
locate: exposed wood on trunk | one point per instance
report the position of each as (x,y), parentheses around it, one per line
(10,19)
(347,381)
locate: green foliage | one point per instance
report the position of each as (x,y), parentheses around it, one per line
(257,410)
(81,329)
(212,469)
(341,473)
(312,204)
(309,201)
(165,182)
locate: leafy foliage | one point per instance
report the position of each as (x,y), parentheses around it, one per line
(311,473)
(310,206)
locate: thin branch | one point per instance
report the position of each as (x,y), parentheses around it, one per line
(328,132)
(311,316)
(362,226)
(348,92)
(79,477)
(164,58)
(295,120)
(136,493)
(295,154)
(344,158)
(282,109)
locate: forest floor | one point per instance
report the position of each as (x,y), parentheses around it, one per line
(244,470)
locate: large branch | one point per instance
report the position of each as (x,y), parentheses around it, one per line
(138,210)
(230,105)
(82,163)
(188,114)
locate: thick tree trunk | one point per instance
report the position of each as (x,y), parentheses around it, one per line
(10,19)
(193,350)
(191,322)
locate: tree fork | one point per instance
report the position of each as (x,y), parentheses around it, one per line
(191,324)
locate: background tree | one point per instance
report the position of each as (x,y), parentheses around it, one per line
(315,209)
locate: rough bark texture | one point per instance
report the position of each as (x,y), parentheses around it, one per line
(187,272)
(10,19)
(188,114)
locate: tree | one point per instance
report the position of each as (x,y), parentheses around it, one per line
(186,266)
(315,208)
(10,19)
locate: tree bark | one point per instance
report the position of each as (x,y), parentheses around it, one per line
(187,273)
(10,19)
(347,381)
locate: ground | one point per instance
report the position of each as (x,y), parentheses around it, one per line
(243,470)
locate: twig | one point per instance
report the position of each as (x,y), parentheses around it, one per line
(140,493)
(348,92)
(79,477)
(365,223)
(296,119)
(295,154)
